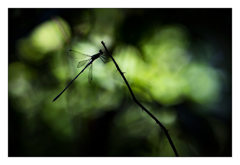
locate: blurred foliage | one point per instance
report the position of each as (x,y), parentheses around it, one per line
(182,79)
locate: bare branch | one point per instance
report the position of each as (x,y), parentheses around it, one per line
(139,104)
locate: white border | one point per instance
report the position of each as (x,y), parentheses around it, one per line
(120,4)
(128,4)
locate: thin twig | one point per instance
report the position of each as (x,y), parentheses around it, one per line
(139,104)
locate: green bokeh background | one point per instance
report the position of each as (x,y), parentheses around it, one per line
(177,61)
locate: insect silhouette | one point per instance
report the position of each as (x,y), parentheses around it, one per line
(90,61)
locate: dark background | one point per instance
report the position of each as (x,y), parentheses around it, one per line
(100,119)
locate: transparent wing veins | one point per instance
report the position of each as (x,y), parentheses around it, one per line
(90,74)
(81,63)
(77,56)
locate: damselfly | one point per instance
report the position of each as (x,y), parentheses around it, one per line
(90,60)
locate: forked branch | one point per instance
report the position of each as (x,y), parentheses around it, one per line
(139,104)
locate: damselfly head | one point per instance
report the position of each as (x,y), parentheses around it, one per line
(103,56)
(101,52)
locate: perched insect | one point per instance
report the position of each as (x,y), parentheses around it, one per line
(90,60)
